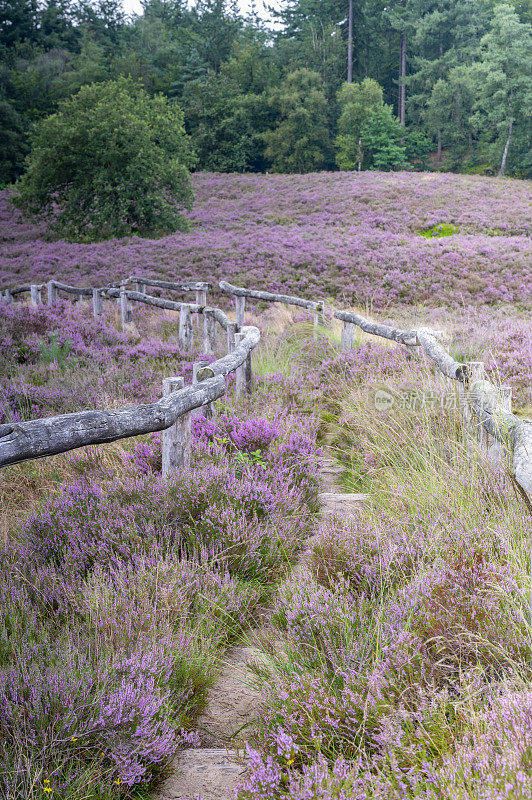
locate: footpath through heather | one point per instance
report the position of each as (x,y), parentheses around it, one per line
(214,770)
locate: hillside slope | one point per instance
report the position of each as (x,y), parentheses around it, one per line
(357,236)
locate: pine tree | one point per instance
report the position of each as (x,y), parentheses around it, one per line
(505,79)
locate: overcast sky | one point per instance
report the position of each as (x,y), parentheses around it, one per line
(134,6)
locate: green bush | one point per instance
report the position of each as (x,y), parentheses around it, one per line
(112,161)
(440,230)
(383,138)
(358,101)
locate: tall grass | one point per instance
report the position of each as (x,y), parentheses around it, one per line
(395,661)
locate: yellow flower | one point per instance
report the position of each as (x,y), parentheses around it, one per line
(290,761)
(73,739)
(118,782)
(46,780)
(47,789)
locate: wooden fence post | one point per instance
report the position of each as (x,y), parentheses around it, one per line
(52,293)
(497,450)
(201,300)
(185,326)
(474,372)
(201,297)
(505,397)
(248,374)
(202,411)
(318,318)
(97,303)
(240,307)
(348,336)
(176,445)
(240,372)
(8,297)
(231,333)
(209,331)
(140,287)
(125,308)
(35,295)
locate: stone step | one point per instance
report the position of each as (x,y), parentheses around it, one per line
(341,502)
(211,773)
(330,465)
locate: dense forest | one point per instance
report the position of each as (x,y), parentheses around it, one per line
(440,84)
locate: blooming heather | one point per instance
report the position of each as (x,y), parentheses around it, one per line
(351,235)
(127,590)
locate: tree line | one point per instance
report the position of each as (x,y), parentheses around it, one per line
(445,84)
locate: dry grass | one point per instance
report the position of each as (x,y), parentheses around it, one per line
(24,487)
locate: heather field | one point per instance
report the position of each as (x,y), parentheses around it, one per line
(120,592)
(355,237)
(392,644)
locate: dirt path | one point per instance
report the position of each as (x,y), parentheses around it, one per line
(213,771)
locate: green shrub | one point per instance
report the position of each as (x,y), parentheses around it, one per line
(382,138)
(440,230)
(112,161)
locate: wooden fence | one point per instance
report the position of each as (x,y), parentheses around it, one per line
(485,408)
(239,294)
(173,412)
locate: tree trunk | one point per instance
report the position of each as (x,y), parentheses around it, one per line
(506,146)
(359,154)
(350,44)
(439,145)
(402,76)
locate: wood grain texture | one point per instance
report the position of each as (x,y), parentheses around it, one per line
(221,318)
(176,443)
(46,437)
(186,286)
(125,309)
(378,329)
(65,287)
(439,355)
(239,291)
(240,372)
(240,308)
(185,327)
(209,331)
(97,304)
(228,363)
(506,428)
(348,336)
(158,302)
(51,293)
(36,299)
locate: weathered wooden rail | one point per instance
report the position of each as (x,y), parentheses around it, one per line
(172,413)
(239,294)
(486,409)
(52,435)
